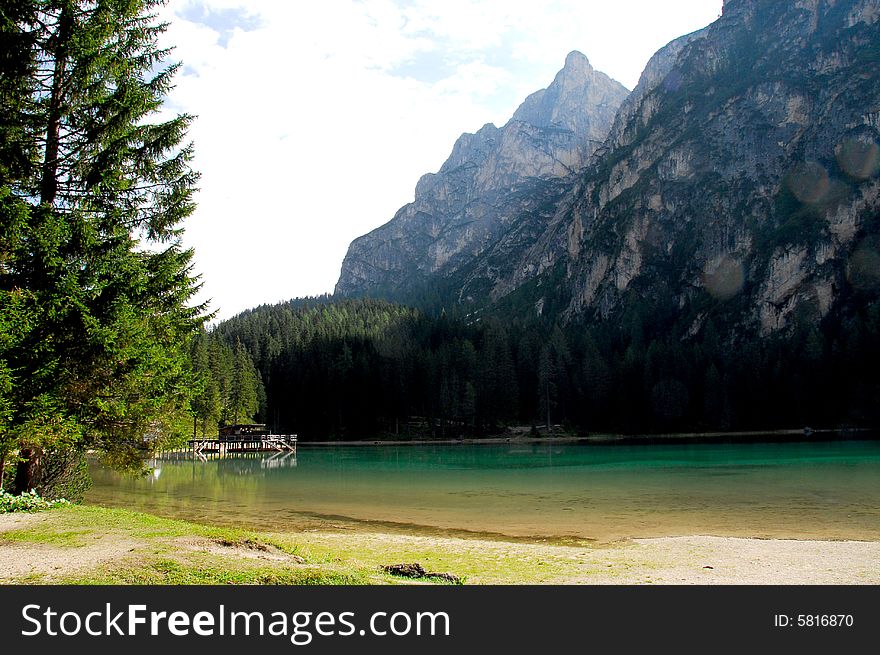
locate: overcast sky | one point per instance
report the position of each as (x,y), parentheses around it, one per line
(316,119)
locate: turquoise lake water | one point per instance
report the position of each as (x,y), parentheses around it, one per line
(528,491)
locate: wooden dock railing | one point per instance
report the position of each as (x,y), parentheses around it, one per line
(245,443)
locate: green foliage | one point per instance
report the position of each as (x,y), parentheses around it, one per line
(65,474)
(227,388)
(94,283)
(29,501)
(355,368)
(359,369)
(169,571)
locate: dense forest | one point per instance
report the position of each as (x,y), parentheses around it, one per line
(356,369)
(226,387)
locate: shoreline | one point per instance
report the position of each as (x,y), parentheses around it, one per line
(752,436)
(94,545)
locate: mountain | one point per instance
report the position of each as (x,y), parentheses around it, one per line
(496,181)
(737,184)
(740,177)
(712,264)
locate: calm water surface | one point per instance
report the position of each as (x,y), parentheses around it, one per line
(558,492)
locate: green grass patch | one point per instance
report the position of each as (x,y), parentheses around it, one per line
(159,558)
(140,526)
(473,563)
(174,572)
(157,550)
(60,538)
(31,579)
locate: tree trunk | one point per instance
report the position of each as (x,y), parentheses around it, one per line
(2,468)
(27,474)
(547,389)
(49,179)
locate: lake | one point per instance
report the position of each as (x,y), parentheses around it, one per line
(558,493)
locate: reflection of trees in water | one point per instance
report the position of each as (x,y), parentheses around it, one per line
(193,482)
(244,462)
(252,464)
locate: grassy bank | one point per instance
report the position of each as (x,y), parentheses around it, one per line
(92,545)
(134,548)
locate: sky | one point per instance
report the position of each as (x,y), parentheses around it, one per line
(316,119)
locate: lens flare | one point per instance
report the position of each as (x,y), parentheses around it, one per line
(673,81)
(808,181)
(724,277)
(858,159)
(863,267)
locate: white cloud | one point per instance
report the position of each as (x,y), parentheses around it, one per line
(315,122)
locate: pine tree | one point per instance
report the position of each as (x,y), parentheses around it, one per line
(497,390)
(547,384)
(92,195)
(206,400)
(244,400)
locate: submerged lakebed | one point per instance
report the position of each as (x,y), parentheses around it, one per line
(531,491)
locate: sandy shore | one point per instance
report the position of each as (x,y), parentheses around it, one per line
(61,545)
(668,560)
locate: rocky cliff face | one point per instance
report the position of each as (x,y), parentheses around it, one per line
(739,179)
(494,180)
(738,182)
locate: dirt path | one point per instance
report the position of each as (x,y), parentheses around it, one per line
(28,559)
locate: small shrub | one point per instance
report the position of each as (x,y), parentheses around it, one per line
(29,501)
(60,473)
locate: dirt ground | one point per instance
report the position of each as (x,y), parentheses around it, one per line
(670,560)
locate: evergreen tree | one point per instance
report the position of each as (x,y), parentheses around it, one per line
(360,368)
(92,195)
(206,400)
(244,398)
(715,408)
(547,384)
(597,382)
(497,389)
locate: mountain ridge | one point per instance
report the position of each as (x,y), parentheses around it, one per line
(713,265)
(737,180)
(491,177)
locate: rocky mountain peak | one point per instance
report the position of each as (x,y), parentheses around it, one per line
(576,60)
(739,185)
(576,93)
(490,178)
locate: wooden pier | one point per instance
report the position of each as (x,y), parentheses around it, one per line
(244,443)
